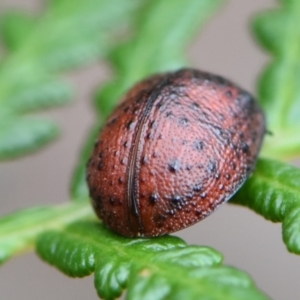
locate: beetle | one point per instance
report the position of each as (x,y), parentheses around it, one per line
(177,146)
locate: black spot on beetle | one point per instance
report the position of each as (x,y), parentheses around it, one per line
(145,160)
(177,201)
(217,175)
(189,167)
(233,146)
(212,166)
(150,135)
(112,200)
(159,219)
(174,165)
(195,105)
(197,188)
(159,104)
(113,121)
(245,148)
(203,195)
(153,124)
(184,142)
(130,125)
(169,114)
(100,165)
(153,198)
(245,101)
(205,115)
(198,212)
(219,131)
(198,145)
(124,161)
(183,121)
(126,109)
(227,176)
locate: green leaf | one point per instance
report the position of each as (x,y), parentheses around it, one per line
(72,32)
(69,34)
(163,30)
(279,86)
(157,268)
(282,144)
(15,28)
(273,191)
(18,231)
(42,93)
(79,188)
(20,135)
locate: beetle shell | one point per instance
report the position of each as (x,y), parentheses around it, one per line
(177,146)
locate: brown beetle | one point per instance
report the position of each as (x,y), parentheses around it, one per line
(177,146)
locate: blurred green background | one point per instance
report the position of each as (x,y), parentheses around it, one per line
(248,242)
